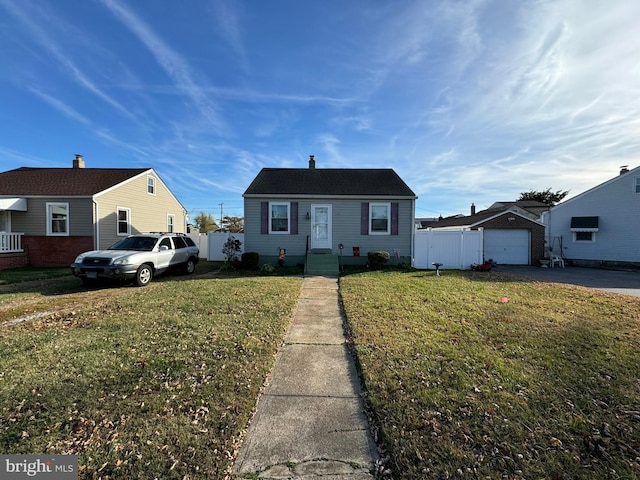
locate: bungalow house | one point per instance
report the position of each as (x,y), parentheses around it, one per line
(511,234)
(318,217)
(50,215)
(601,226)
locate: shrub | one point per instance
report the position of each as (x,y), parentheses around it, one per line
(378,259)
(267,269)
(231,249)
(250,260)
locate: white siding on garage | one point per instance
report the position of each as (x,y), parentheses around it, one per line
(507,247)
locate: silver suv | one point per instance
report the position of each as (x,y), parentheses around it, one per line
(139,258)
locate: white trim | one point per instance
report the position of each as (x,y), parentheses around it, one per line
(172,224)
(118,233)
(152,185)
(49,217)
(593,236)
(316,243)
(278,232)
(380,204)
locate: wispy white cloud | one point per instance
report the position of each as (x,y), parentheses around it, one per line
(225,15)
(32,17)
(60,106)
(172,63)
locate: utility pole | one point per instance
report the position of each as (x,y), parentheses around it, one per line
(221,215)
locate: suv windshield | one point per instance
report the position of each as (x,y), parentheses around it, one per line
(143,244)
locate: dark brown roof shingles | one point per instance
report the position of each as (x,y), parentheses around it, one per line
(59,182)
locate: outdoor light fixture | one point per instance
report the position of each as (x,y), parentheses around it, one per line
(308,217)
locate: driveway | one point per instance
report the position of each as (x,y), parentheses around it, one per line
(615,281)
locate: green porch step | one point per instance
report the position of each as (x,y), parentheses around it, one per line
(322,263)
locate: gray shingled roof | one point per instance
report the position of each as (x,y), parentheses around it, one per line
(329,181)
(63,181)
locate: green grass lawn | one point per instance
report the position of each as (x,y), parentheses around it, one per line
(462,385)
(157,383)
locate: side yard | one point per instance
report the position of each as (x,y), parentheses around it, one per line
(483,375)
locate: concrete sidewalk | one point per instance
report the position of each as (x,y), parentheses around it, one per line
(310,421)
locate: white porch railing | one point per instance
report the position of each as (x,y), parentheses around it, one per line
(10,242)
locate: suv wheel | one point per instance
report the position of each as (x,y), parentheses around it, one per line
(144,275)
(190,266)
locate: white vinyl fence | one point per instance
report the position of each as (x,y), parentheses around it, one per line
(454,249)
(216,241)
(202,242)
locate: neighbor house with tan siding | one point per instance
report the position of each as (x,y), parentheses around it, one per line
(50,215)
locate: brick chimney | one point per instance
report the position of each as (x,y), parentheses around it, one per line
(624,169)
(312,163)
(473,209)
(78,162)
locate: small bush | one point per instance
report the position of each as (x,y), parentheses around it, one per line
(250,260)
(267,269)
(378,259)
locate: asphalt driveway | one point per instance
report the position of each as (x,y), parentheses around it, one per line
(615,281)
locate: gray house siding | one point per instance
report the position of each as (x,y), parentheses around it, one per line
(346,229)
(617,206)
(34,220)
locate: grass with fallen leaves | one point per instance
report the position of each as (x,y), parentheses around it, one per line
(545,384)
(157,383)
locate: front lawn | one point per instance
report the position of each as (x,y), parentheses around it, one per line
(157,383)
(482,375)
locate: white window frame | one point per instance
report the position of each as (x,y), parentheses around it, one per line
(118,232)
(593,237)
(279,204)
(49,215)
(379,232)
(151,185)
(171,223)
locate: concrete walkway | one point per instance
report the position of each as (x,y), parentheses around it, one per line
(310,421)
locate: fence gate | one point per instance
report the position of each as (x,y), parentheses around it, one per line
(454,249)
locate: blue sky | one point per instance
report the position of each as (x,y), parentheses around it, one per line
(469,101)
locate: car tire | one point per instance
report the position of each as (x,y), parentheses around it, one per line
(144,274)
(190,266)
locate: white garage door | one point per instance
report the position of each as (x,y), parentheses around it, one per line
(507,247)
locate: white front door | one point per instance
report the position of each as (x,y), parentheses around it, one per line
(320,226)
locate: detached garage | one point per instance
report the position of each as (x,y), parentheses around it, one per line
(509,237)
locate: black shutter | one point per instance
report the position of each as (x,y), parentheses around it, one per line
(264,218)
(364,218)
(294,218)
(395,206)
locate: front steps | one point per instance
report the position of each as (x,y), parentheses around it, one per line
(322,262)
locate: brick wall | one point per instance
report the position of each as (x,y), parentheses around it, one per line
(13,260)
(520,223)
(54,251)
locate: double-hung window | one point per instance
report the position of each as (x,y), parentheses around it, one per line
(151,185)
(279,217)
(171,221)
(379,219)
(636,184)
(124,221)
(58,219)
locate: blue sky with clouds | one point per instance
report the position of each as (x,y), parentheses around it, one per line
(469,101)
